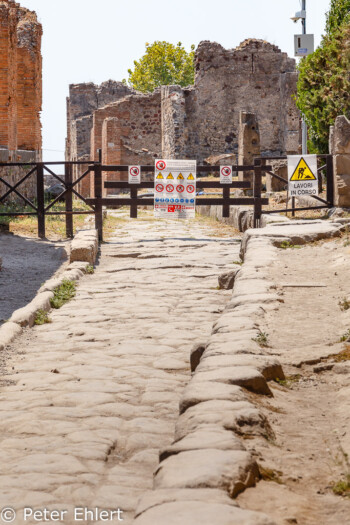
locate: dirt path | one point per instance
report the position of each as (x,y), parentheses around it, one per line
(310,411)
(95,394)
(26,264)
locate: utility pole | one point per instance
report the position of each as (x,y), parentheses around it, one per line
(303,123)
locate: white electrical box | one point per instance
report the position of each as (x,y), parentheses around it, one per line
(303,45)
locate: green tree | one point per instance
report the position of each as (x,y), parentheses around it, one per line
(338,14)
(324,78)
(161,65)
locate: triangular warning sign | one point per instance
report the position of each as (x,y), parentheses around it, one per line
(190,177)
(180,177)
(302,172)
(160,176)
(170,176)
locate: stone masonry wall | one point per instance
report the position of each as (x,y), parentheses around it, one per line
(83,100)
(14,173)
(255,77)
(128,131)
(20,78)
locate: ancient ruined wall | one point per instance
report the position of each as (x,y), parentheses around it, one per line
(128,131)
(255,77)
(20,78)
(83,100)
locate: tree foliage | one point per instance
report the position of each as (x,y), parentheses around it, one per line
(338,14)
(324,78)
(162,64)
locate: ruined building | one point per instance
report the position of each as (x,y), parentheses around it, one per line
(20,87)
(196,122)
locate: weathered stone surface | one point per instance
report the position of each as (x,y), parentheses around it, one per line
(248,145)
(226,280)
(195,513)
(84,247)
(232,471)
(196,355)
(244,376)
(25,316)
(8,332)
(154,498)
(198,392)
(240,416)
(280,168)
(296,232)
(204,438)
(270,367)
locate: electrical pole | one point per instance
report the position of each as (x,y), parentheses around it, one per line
(303,123)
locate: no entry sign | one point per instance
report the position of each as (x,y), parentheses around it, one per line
(134,174)
(226,175)
(175,199)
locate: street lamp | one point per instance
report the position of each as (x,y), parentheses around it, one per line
(304,46)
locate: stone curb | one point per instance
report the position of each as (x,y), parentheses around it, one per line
(241,217)
(87,248)
(208,456)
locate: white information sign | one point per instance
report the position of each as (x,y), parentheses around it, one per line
(175,188)
(225,174)
(134,174)
(302,175)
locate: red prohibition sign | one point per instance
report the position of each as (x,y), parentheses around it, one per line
(134,171)
(226,171)
(190,188)
(180,188)
(160,165)
(169,188)
(159,187)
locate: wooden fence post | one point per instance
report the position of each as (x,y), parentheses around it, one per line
(98,196)
(40,200)
(133,205)
(69,199)
(226,207)
(257,192)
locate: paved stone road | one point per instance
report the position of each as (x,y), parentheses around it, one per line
(91,398)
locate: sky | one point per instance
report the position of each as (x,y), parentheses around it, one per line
(98,40)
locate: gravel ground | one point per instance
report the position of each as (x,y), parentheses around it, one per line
(26,265)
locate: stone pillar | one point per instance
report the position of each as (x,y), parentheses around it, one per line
(341,160)
(248,143)
(280,167)
(173,122)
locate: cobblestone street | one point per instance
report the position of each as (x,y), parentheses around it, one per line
(90,399)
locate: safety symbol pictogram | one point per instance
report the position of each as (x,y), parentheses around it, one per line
(160,176)
(180,188)
(170,176)
(190,188)
(226,171)
(159,187)
(302,172)
(190,177)
(180,177)
(170,188)
(161,165)
(134,171)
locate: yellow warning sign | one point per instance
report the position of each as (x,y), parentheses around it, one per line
(170,176)
(190,177)
(302,172)
(180,177)
(160,176)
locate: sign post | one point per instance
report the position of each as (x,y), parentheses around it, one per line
(302,175)
(134,174)
(175,189)
(225,174)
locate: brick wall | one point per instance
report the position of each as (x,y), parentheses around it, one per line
(128,131)
(20,78)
